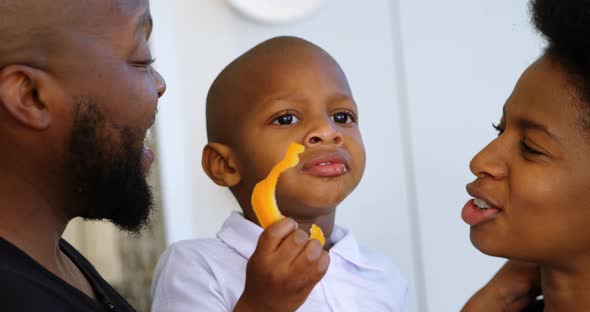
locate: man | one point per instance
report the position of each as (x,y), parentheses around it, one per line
(77,95)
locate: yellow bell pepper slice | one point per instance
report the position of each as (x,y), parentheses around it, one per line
(264,201)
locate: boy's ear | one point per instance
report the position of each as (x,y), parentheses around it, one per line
(21,96)
(219,164)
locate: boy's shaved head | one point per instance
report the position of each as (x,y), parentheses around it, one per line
(33,32)
(285,90)
(246,79)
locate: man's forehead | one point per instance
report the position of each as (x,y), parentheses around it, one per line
(128,8)
(135,12)
(129,5)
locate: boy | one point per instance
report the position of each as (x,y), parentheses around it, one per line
(283,90)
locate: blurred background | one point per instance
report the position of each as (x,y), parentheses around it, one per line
(430,77)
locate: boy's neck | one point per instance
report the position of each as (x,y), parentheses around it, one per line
(325,222)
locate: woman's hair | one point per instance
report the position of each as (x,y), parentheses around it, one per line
(566,26)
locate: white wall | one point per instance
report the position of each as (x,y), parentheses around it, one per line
(429,77)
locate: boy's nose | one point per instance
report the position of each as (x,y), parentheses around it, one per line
(323,133)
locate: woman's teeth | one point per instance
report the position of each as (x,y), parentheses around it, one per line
(482,205)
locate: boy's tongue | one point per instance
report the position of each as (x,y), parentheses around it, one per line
(326,169)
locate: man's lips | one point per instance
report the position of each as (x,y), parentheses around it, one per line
(329,164)
(147,155)
(147,158)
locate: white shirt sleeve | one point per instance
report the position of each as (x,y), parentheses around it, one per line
(184,282)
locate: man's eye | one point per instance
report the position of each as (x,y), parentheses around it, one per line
(343,118)
(146,63)
(285,120)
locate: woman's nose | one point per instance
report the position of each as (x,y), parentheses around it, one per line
(490,161)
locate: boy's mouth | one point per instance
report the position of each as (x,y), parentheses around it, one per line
(326,165)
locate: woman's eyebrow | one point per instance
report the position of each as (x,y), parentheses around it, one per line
(528,124)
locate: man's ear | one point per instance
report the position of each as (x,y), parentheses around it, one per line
(219,163)
(21,96)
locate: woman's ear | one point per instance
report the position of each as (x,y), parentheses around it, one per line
(21,96)
(219,164)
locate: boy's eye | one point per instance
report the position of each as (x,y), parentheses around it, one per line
(342,118)
(286,119)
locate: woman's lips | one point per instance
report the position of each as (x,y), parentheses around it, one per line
(474,215)
(479,209)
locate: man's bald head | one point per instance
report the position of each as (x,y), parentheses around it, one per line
(244,79)
(34,32)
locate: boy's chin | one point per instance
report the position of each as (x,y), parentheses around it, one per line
(306,210)
(319,196)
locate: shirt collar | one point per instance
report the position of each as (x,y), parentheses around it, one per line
(242,235)
(346,246)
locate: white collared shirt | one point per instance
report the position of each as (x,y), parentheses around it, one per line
(209,274)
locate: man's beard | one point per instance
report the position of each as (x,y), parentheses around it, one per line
(107,164)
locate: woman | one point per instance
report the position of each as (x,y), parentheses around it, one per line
(531,195)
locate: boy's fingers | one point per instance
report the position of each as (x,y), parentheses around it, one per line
(312,261)
(291,246)
(323,264)
(311,253)
(271,238)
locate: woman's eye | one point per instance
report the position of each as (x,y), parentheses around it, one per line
(527,149)
(285,120)
(343,118)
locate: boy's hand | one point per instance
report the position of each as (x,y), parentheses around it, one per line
(514,287)
(283,269)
